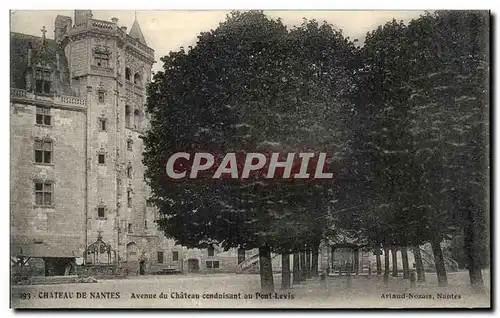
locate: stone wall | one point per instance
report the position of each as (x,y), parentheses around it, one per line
(36,229)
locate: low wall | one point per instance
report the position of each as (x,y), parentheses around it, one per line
(52,280)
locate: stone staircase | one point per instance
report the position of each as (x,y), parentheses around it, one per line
(247,263)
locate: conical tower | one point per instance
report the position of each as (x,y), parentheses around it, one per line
(136,31)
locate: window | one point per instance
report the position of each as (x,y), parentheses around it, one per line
(241,255)
(127,115)
(101,159)
(43,194)
(42,82)
(100,212)
(129,172)
(43,151)
(137,79)
(175,256)
(102,61)
(160,257)
(101,96)
(137,118)
(102,56)
(211,251)
(43,116)
(129,198)
(129,144)
(102,124)
(145,224)
(130,228)
(127,74)
(212,264)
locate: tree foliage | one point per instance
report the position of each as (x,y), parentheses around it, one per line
(404,120)
(248,85)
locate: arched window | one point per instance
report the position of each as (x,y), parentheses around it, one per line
(137,119)
(127,73)
(137,79)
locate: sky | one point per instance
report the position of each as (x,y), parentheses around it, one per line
(167,31)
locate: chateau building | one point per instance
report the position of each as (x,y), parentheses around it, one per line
(77,113)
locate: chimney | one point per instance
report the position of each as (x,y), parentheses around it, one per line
(30,52)
(124,29)
(82,16)
(62,25)
(29,73)
(114,20)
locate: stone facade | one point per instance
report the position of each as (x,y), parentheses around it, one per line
(77,113)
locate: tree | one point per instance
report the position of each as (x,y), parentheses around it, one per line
(452,132)
(248,85)
(420,87)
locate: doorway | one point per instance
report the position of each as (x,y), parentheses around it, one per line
(132,258)
(142,266)
(193,265)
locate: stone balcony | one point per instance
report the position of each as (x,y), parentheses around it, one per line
(62,100)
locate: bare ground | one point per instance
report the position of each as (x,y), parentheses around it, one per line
(359,292)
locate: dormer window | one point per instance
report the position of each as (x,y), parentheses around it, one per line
(43,82)
(102,55)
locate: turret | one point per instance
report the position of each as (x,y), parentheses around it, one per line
(136,32)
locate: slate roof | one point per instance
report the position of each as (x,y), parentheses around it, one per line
(136,32)
(44,55)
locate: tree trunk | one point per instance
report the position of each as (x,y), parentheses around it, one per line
(356,261)
(332,269)
(476,278)
(302,266)
(439,261)
(308,263)
(315,260)
(394,252)
(285,271)
(386,265)
(266,269)
(379,261)
(406,266)
(46,266)
(296,268)
(419,264)
(473,252)
(67,269)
